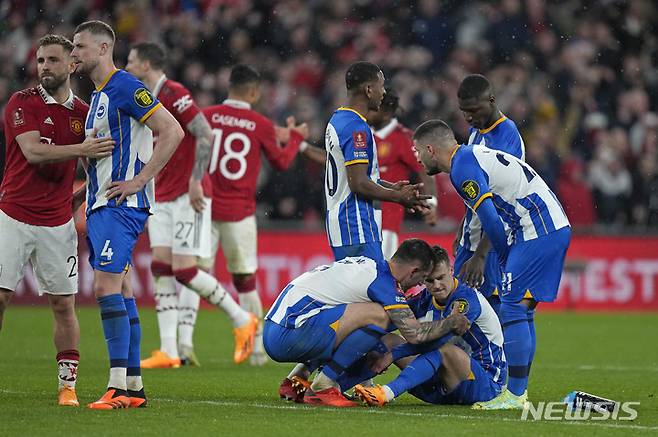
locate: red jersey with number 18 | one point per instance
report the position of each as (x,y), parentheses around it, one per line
(240,135)
(40,194)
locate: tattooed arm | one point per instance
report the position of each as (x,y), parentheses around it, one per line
(416,332)
(200,128)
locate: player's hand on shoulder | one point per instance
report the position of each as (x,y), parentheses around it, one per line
(459,324)
(472,272)
(195,192)
(97,148)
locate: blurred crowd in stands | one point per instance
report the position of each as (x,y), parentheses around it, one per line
(579,77)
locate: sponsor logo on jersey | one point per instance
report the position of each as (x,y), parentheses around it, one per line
(360,140)
(471,189)
(48,120)
(183,103)
(18,118)
(100,112)
(76,125)
(143,97)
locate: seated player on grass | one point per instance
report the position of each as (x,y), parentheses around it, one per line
(464,369)
(335,314)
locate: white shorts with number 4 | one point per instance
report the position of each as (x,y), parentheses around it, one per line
(175,224)
(238,241)
(52,250)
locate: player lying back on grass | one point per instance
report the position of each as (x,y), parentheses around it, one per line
(464,369)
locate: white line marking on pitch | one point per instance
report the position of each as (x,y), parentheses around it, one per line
(388,412)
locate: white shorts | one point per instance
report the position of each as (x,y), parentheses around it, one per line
(238,240)
(175,224)
(389,243)
(52,251)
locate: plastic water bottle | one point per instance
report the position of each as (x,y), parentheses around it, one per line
(579,400)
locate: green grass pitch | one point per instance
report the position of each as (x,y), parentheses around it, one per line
(612,355)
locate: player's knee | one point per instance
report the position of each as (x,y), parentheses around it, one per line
(378,316)
(159,268)
(511,312)
(244,283)
(185,276)
(63,306)
(5,297)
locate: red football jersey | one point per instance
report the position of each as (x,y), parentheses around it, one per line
(396,160)
(173,180)
(241,134)
(40,194)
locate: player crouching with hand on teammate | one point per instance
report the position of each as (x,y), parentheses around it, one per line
(454,369)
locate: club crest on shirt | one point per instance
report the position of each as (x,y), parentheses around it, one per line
(76,125)
(360,140)
(143,97)
(383,149)
(18,118)
(471,189)
(462,305)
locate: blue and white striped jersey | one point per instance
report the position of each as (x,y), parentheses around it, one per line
(483,341)
(350,219)
(527,207)
(119,107)
(502,135)
(350,280)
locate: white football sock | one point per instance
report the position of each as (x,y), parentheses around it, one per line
(166,306)
(134,383)
(118,378)
(299,370)
(211,290)
(389,393)
(322,382)
(188,306)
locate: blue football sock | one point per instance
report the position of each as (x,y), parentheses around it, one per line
(533,337)
(356,374)
(116,328)
(514,320)
(134,368)
(350,350)
(420,370)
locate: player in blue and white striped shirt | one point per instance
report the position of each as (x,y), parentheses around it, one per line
(526,225)
(454,369)
(353,188)
(475,261)
(119,198)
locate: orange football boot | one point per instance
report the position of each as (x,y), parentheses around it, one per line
(244,339)
(67,397)
(160,360)
(330,397)
(373,396)
(113,399)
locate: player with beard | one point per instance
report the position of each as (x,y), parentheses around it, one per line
(44,136)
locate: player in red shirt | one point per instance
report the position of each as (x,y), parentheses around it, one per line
(44,134)
(396,162)
(179,229)
(240,135)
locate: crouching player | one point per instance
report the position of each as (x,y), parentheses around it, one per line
(335,314)
(466,369)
